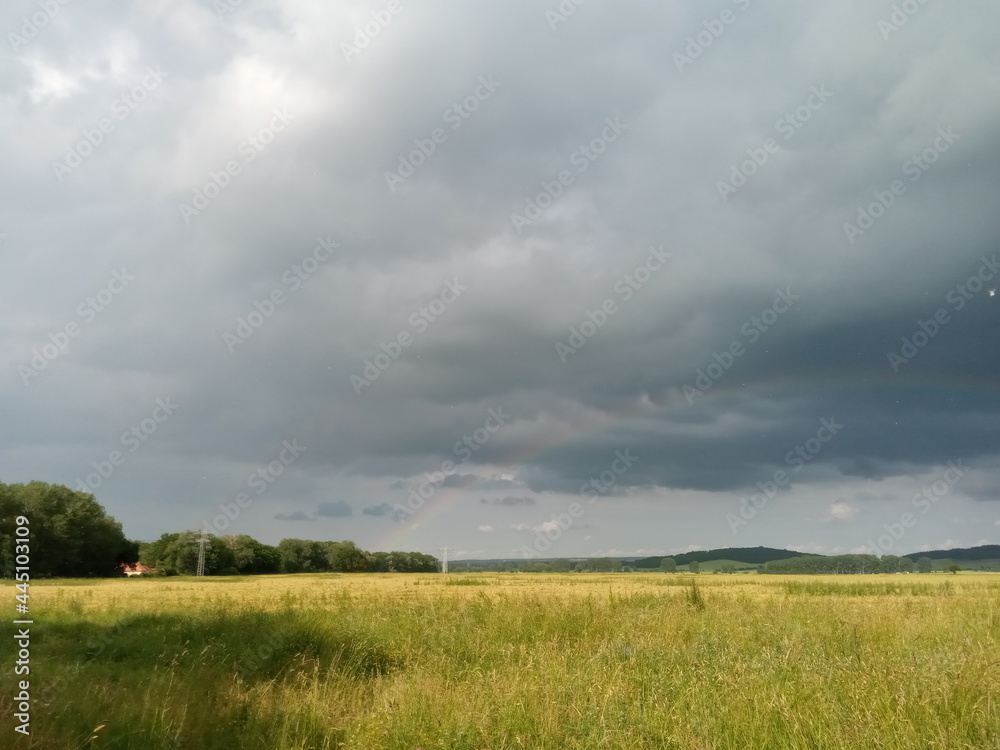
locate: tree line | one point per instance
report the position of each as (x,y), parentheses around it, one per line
(72,536)
(559,565)
(847,564)
(239,554)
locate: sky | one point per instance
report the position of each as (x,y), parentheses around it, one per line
(519,279)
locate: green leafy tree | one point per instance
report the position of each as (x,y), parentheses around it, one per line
(891,564)
(71,535)
(954,568)
(345,557)
(250,557)
(561,565)
(925,565)
(668,565)
(694,566)
(379,562)
(302,556)
(177,554)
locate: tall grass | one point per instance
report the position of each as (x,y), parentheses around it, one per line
(515,661)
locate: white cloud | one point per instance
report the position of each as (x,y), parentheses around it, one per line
(841,511)
(486,529)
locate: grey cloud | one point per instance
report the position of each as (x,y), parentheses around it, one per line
(337,509)
(494,346)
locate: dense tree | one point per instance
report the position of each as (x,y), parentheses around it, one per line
(599,565)
(379,563)
(891,564)
(412,562)
(668,565)
(403,562)
(694,566)
(345,557)
(302,556)
(954,568)
(839,564)
(250,557)
(925,565)
(71,535)
(535,567)
(177,554)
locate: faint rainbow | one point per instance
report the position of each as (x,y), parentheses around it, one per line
(444,499)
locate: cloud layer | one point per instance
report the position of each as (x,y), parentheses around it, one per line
(465,254)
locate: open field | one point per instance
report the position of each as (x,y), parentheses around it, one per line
(509,661)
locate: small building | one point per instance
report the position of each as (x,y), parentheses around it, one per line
(136,569)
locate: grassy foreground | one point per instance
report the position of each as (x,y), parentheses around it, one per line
(553,662)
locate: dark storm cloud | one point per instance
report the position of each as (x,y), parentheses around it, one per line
(338,509)
(824,187)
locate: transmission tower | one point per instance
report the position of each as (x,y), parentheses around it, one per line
(444,560)
(201,554)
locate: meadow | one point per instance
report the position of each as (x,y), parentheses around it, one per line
(504,661)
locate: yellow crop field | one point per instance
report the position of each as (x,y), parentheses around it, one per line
(504,661)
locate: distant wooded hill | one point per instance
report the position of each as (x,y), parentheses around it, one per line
(986,552)
(750,555)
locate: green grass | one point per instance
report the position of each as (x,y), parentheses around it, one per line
(566,662)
